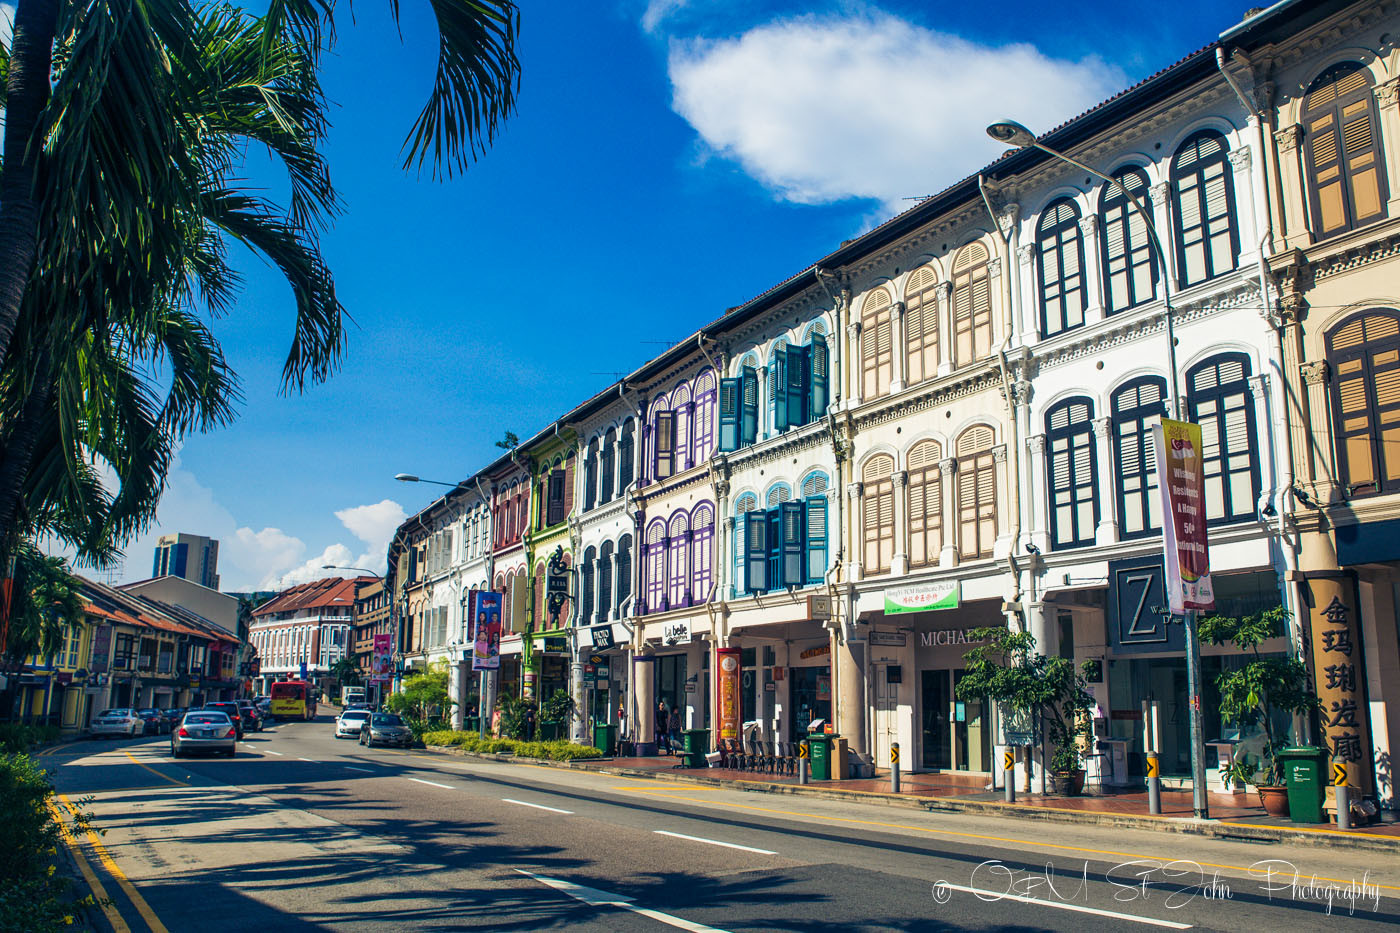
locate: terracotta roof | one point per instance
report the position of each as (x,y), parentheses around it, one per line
(327,593)
(140,612)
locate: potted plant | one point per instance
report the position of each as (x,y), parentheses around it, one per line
(555,715)
(1006,668)
(1253,692)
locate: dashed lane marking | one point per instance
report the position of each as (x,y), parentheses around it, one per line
(538,806)
(713,842)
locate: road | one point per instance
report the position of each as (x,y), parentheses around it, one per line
(304,832)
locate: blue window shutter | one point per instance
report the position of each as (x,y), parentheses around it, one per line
(777,386)
(792,573)
(665,444)
(798,375)
(755,552)
(816,539)
(821,376)
(775,549)
(748,407)
(729,390)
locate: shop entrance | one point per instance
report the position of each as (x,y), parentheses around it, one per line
(887,681)
(810,697)
(956,732)
(936,701)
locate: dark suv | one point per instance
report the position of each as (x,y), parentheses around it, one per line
(251,718)
(156,723)
(230,709)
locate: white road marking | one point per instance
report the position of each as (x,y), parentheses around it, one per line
(993,896)
(365,770)
(714,842)
(433,783)
(537,806)
(312,760)
(271,752)
(595,898)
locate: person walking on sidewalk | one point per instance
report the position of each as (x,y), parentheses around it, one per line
(662,743)
(673,728)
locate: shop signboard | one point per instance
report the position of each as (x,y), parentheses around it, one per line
(1182,483)
(1339,673)
(602,635)
(676,633)
(381,662)
(923,597)
(1139,619)
(889,639)
(727,692)
(101,647)
(485,612)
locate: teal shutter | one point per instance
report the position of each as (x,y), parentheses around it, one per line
(821,376)
(816,539)
(729,390)
(777,389)
(798,377)
(748,407)
(755,552)
(793,556)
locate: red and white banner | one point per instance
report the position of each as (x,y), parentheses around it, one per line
(1181,480)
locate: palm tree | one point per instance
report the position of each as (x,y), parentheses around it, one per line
(116,204)
(44,600)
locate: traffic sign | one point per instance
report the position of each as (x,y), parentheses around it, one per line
(1008,760)
(802,750)
(894,754)
(1339,774)
(1152,767)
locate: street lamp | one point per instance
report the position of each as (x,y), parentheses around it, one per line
(1014,134)
(412,478)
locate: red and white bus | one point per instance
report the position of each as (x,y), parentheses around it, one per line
(293,699)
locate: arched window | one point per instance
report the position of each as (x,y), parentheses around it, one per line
(777,387)
(624,571)
(654,568)
(877,508)
(605,581)
(1136,407)
(704,421)
(1060,255)
(678,561)
(972,305)
(590,476)
(1220,402)
(814,484)
(1364,354)
(661,437)
(876,345)
(778,492)
(1069,463)
(626,455)
(586,581)
(1129,261)
(681,410)
(702,556)
(743,504)
(925,504)
(977,492)
(1346,177)
(921,325)
(1207,241)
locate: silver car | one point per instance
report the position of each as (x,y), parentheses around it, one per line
(349,723)
(385,729)
(118,722)
(204,730)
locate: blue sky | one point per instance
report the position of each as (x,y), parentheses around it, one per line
(669,160)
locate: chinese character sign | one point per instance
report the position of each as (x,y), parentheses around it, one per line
(1338,676)
(382,661)
(485,610)
(727,692)
(1181,482)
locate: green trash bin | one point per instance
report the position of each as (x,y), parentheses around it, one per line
(1304,767)
(694,744)
(820,746)
(605,737)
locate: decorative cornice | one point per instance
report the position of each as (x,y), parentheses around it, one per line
(786,444)
(1379,244)
(978,378)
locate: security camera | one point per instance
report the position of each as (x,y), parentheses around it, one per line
(1032,549)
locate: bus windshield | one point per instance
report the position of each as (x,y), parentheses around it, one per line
(287,691)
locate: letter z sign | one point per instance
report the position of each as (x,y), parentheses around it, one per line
(1137,607)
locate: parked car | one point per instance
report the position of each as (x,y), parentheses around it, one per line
(204,730)
(119,721)
(385,729)
(349,723)
(156,723)
(229,709)
(251,718)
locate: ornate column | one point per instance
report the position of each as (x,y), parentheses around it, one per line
(689,438)
(1296,222)
(729,561)
(724,527)
(856,385)
(1266,443)
(1161,195)
(1107,532)
(944,294)
(948,474)
(1004,493)
(1036,492)
(899,563)
(1388,101)
(854,493)
(765,404)
(644,703)
(1241,159)
(1093,275)
(1030,303)
(897,351)
(1316,376)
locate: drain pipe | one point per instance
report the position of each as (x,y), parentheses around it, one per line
(1014,444)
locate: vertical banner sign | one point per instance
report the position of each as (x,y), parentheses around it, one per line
(1181,481)
(382,662)
(486,643)
(1339,674)
(727,692)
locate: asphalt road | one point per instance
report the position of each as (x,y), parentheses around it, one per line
(304,832)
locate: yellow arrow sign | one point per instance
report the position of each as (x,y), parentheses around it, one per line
(1152,766)
(894,754)
(1339,774)
(1009,761)
(802,750)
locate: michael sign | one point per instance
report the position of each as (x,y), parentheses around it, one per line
(952,636)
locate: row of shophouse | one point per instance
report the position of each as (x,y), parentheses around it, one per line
(159,643)
(954,411)
(304,631)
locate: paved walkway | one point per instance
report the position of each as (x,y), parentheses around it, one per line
(963,788)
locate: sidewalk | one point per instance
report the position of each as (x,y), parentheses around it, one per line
(1231,815)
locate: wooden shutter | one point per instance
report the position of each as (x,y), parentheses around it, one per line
(626,457)
(821,375)
(1366,398)
(878,517)
(590,476)
(792,524)
(665,444)
(777,389)
(570,477)
(976,493)
(554,500)
(1348,179)
(798,375)
(681,410)
(1061,262)
(729,414)
(748,406)
(972,304)
(605,585)
(1207,240)
(925,518)
(877,358)
(756,552)
(816,538)
(921,325)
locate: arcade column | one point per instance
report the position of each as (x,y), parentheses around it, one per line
(644,703)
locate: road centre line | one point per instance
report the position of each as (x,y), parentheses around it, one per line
(127,887)
(714,842)
(433,783)
(538,806)
(992,897)
(163,777)
(596,898)
(114,917)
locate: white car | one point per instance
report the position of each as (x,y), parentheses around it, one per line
(349,723)
(118,722)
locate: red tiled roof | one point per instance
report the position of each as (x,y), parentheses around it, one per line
(327,592)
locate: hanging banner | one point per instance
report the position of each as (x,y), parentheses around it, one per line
(382,660)
(922,597)
(485,611)
(1181,481)
(1339,673)
(727,692)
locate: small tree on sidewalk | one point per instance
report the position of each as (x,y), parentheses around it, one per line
(423,697)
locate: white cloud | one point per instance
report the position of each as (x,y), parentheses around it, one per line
(374,524)
(658,10)
(822,109)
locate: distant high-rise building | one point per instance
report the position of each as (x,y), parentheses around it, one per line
(193,557)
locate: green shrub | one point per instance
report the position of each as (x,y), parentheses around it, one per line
(34,896)
(559,750)
(568,751)
(532,750)
(440,737)
(497,746)
(16,738)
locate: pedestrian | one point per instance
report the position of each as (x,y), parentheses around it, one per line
(673,727)
(661,740)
